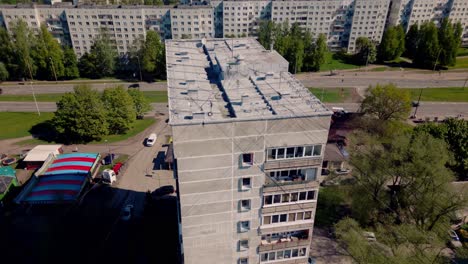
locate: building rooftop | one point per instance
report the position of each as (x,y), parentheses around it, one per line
(223,80)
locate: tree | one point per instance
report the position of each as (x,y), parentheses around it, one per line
(7,53)
(392,45)
(412,41)
(23,40)
(48,56)
(395,244)
(3,72)
(453,131)
(120,110)
(80,116)
(87,66)
(403,181)
(366,51)
(449,43)
(70,63)
(140,102)
(386,102)
(265,33)
(152,55)
(428,47)
(105,55)
(320,51)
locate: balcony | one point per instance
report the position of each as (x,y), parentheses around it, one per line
(292,163)
(284,240)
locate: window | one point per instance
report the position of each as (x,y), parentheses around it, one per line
(246,183)
(294,152)
(244,205)
(247,159)
(244,226)
(267,220)
(243,261)
(243,245)
(310,195)
(302,196)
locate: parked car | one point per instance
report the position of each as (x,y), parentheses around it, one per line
(342,171)
(8,161)
(151,140)
(127,212)
(164,190)
(134,85)
(117,167)
(108,159)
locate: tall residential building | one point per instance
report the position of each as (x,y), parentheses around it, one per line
(242,18)
(459,13)
(369,21)
(248,147)
(192,22)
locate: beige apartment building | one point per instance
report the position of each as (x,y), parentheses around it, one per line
(459,13)
(242,18)
(248,147)
(192,22)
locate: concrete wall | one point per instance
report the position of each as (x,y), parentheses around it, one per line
(210,174)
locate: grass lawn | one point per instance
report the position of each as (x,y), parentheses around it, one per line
(153,97)
(462,63)
(331,95)
(336,64)
(462,52)
(448,94)
(18,124)
(156,96)
(138,127)
(29,98)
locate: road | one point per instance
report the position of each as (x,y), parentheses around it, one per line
(345,78)
(427,109)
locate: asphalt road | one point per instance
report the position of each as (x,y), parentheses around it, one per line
(348,78)
(427,109)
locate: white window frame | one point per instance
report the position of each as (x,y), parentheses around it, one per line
(243,245)
(275,202)
(249,163)
(246,187)
(298,216)
(244,226)
(295,154)
(245,208)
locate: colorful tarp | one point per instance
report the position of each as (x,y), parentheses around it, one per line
(62,179)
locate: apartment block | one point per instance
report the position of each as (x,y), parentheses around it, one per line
(459,13)
(369,20)
(53,17)
(242,18)
(332,18)
(248,147)
(192,22)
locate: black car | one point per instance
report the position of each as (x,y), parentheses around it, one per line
(108,159)
(135,85)
(164,190)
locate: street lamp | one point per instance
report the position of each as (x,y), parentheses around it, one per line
(32,88)
(417,104)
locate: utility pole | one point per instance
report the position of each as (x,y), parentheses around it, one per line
(32,88)
(437,59)
(53,69)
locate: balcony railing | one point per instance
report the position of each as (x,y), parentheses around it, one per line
(275,181)
(299,239)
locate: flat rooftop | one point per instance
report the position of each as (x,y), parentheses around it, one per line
(224,80)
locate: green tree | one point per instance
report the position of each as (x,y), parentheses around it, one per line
(87,66)
(23,40)
(105,55)
(449,43)
(7,54)
(70,63)
(387,102)
(48,56)
(366,51)
(80,116)
(428,46)
(392,45)
(412,41)
(153,55)
(265,33)
(403,181)
(120,109)
(140,102)
(295,54)
(3,72)
(453,131)
(319,52)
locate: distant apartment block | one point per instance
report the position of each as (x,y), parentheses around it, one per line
(249,141)
(342,21)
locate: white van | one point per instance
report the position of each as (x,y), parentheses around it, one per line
(151,140)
